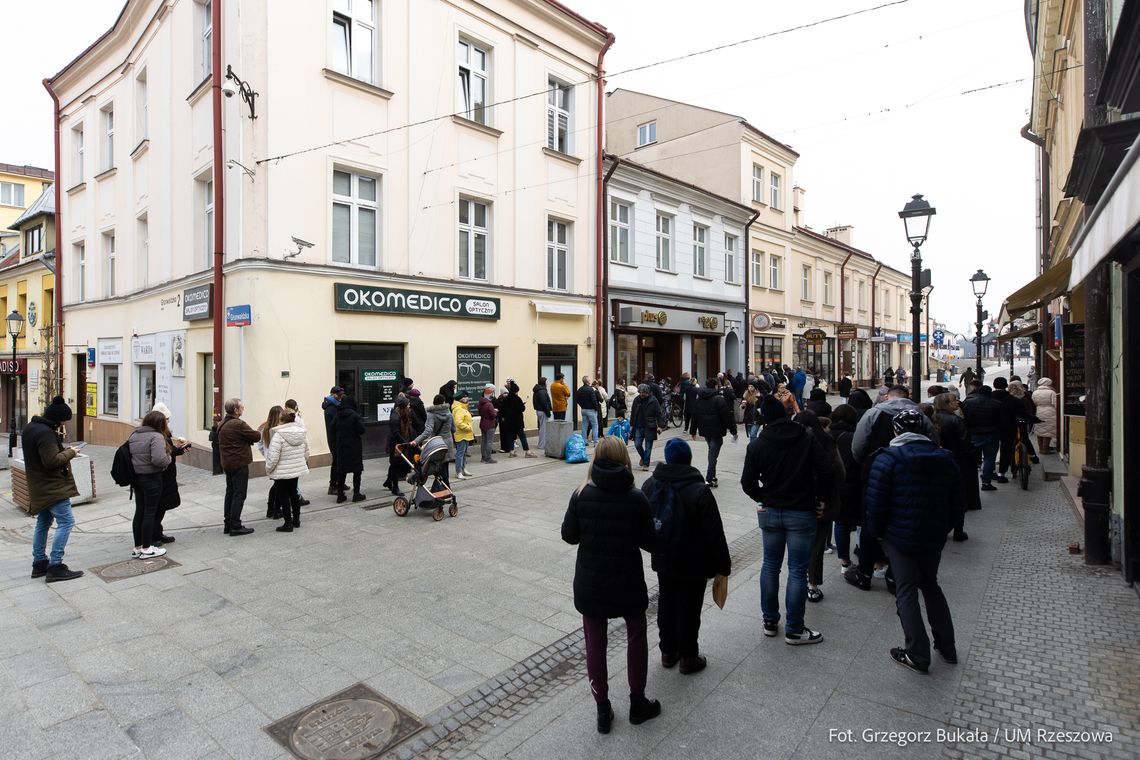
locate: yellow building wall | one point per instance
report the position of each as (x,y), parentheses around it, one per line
(33,188)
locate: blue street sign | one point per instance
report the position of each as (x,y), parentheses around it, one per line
(939,336)
(239,316)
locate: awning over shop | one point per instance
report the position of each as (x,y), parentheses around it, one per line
(1114,218)
(1019,333)
(571,309)
(1045,288)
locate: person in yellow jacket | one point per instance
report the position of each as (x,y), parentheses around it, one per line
(559,394)
(464,432)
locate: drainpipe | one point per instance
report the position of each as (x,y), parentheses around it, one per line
(599,262)
(1044,203)
(219,205)
(605,344)
(747,255)
(842,313)
(874,290)
(58,390)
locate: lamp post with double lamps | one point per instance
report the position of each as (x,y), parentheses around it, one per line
(916,217)
(980,281)
(15,326)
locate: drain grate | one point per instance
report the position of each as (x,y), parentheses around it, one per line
(354,724)
(132,568)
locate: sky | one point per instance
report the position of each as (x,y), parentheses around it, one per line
(918,97)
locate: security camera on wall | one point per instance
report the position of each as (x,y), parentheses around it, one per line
(228,88)
(301,245)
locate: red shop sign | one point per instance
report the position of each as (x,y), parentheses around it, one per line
(13,366)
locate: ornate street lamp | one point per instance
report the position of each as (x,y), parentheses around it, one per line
(980,281)
(916,217)
(15,327)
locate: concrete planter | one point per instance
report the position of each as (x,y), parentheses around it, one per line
(557,433)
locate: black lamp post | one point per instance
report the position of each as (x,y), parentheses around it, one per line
(15,327)
(916,216)
(980,281)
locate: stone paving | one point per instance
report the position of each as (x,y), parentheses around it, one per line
(469,624)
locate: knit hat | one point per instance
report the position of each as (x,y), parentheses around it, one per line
(414,392)
(335,390)
(489,388)
(908,421)
(1000,383)
(161,407)
(1044,382)
(677,451)
(406,382)
(57,411)
(772,410)
(462,394)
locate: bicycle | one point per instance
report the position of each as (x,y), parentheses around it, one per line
(676,410)
(1021,458)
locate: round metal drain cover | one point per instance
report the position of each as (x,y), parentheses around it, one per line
(345,729)
(134,567)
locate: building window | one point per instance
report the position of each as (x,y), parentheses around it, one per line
(758,183)
(775,180)
(34,240)
(757,268)
(862,296)
(81,271)
(887,301)
(700,250)
(140,107)
(473,77)
(827,289)
(352,41)
(206,221)
(768,351)
(665,242)
(12,193)
(205,38)
(111,389)
(473,236)
(805,283)
(730,258)
(107,114)
(77,153)
(558,116)
(557,255)
(356,219)
(774,276)
(109,255)
(142,252)
(646,134)
(619,232)
(902,305)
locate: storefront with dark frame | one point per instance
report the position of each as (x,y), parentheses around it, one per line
(666,341)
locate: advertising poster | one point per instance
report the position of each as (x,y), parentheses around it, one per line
(92,397)
(474,368)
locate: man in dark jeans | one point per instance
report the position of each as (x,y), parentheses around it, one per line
(712,418)
(329,406)
(234,439)
(1011,410)
(983,420)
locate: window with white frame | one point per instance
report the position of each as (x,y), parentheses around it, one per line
(11,194)
(805,283)
(730,258)
(77,153)
(110,389)
(34,240)
(665,242)
(204,187)
(107,116)
(352,39)
(887,301)
(646,133)
(142,252)
(474,67)
(757,268)
(355,218)
(827,289)
(620,232)
(205,27)
(862,296)
(140,107)
(557,255)
(474,234)
(775,275)
(902,305)
(109,257)
(758,183)
(775,181)
(81,271)
(700,250)
(558,108)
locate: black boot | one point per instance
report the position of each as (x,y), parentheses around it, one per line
(358,496)
(297,516)
(61,572)
(642,709)
(605,717)
(39,568)
(285,527)
(272,509)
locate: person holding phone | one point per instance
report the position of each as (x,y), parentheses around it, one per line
(170,498)
(47,464)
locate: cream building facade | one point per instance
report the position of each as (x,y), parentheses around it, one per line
(396,208)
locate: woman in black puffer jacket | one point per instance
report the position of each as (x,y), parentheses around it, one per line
(609,520)
(844,418)
(955,438)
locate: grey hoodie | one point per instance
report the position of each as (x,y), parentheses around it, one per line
(860,443)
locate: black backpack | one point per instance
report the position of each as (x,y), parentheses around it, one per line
(668,518)
(122,470)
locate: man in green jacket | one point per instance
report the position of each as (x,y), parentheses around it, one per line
(50,488)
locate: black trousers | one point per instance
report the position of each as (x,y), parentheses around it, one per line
(679,614)
(148,492)
(237,483)
(288,501)
(1005,455)
(332,467)
(915,573)
(815,564)
(343,477)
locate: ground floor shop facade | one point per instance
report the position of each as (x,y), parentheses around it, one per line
(827,349)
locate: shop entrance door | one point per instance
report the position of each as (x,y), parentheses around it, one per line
(370,373)
(80,395)
(553,359)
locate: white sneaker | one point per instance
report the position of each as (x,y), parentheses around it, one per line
(829,550)
(880,573)
(466,473)
(459,476)
(154,551)
(529,455)
(136,552)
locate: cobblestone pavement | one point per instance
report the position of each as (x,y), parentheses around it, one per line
(469,624)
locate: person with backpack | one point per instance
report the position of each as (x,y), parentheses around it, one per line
(170,498)
(150,456)
(712,418)
(287,461)
(689,550)
(47,466)
(234,438)
(440,423)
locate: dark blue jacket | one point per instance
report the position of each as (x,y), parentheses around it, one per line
(799,380)
(911,494)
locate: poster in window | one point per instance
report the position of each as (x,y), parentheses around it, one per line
(1073,365)
(474,368)
(92,398)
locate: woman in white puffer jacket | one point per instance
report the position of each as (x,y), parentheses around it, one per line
(1045,399)
(286,460)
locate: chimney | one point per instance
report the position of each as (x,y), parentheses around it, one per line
(844,234)
(798,206)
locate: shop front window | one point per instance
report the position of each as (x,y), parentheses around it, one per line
(767,351)
(627,358)
(818,358)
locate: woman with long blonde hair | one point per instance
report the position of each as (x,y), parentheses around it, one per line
(273,508)
(610,521)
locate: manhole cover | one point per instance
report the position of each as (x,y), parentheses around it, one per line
(132,568)
(355,724)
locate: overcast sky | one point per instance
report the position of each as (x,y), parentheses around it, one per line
(873,104)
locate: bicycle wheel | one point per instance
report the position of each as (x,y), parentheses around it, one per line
(1023,468)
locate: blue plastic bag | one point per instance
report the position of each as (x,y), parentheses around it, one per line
(620,428)
(576,449)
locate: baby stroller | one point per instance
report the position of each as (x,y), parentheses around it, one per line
(427,465)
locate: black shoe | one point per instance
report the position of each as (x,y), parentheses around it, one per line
(960,535)
(669,660)
(61,572)
(690,665)
(341,497)
(771,629)
(951,657)
(605,717)
(296,522)
(1001,479)
(395,491)
(358,496)
(1034,460)
(642,709)
(166,539)
(814,595)
(273,514)
(899,655)
(856,578)
(333,491)
(39,568)
(711,482)
(303,503)
(286,527)
(241,530)
(988,487)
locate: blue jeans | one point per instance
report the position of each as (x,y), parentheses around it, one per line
(590,425)
(753,431)
(460,456)
(988,445)
(795,530)
(64,521)
(643,444)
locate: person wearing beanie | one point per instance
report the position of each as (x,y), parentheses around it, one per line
(788,474)
(690,549)
(47,465)
(488,413)
(913,488)
(419,411)
(860,401)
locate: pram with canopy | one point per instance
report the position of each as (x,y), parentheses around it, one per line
(429,491)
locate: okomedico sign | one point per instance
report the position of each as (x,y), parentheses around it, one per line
(365,298)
